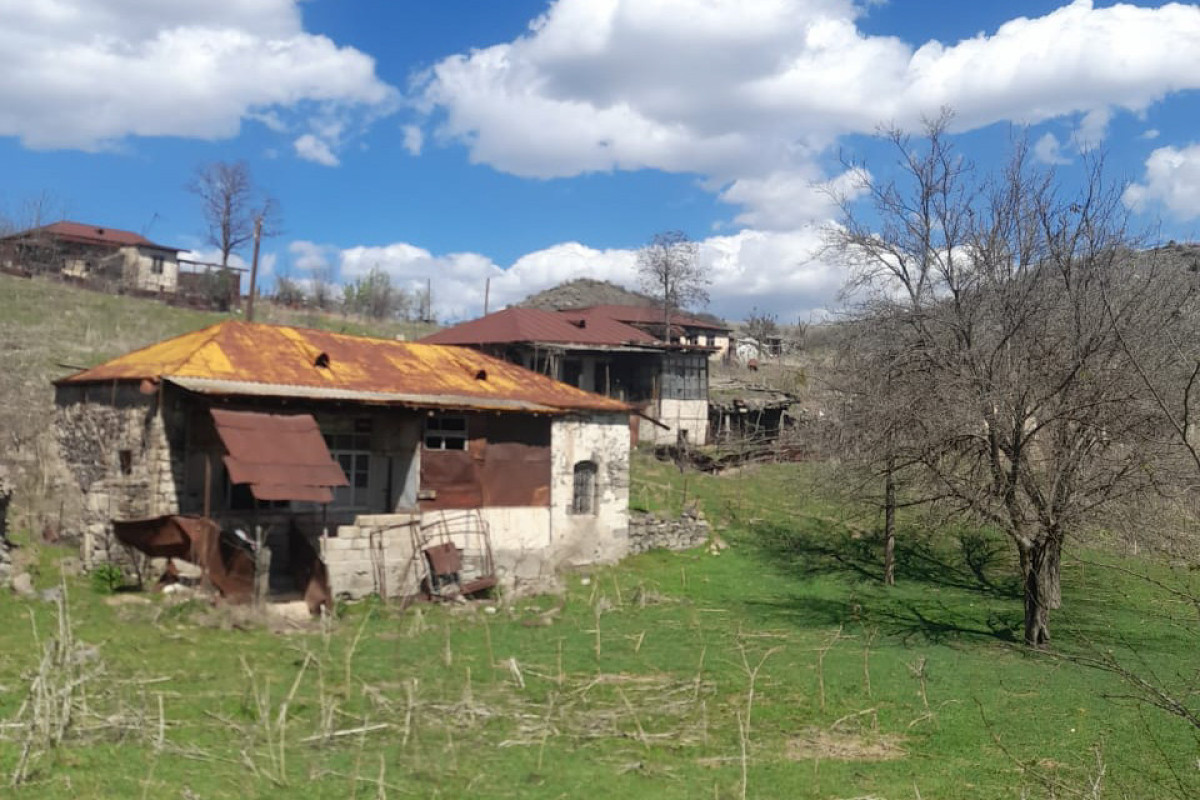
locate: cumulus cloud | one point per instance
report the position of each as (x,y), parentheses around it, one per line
(1172,179)
(1048,150)
(778,272)
(749,95)
(414,139)
(310,148)
(88,73)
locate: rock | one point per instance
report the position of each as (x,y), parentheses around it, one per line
(22,584)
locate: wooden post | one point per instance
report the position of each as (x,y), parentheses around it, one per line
(254,269)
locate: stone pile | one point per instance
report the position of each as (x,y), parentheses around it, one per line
(6,493)
(652,532)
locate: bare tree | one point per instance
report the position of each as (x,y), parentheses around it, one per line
(997,358)
(760,326)
(670,272)
(232,204)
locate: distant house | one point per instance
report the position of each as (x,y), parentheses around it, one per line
(594,350)
(686,329)
(417,443)
(95,254)
(86,251)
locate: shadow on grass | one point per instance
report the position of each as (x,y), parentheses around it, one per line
(955,585)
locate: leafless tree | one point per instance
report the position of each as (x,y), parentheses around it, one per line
(671,273)
(232,205)
(760,326)
(997,359)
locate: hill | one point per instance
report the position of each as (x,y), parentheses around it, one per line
(583,292)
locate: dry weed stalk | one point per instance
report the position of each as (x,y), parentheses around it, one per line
(57,691)
(821,653)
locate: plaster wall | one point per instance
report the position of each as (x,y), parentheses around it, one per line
(677,415)
(601,536)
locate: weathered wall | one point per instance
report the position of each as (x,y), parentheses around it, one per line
(652,532)
(372,556)
(139,270)
(114,444)
(687,415)
(601,536)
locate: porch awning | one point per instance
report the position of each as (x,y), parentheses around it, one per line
(279,456)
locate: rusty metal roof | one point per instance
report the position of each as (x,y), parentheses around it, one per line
(532,325)
(280,456)
(643,315)
(286,362)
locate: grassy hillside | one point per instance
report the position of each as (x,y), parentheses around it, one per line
(779,668)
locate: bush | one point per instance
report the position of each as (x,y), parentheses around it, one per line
(107,579)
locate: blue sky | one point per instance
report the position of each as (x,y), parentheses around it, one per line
(534,142)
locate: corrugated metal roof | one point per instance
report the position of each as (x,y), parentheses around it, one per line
(517,324)
(94,234)
(283,362)
(280,456)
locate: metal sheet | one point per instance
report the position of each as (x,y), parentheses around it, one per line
(506,464)
(281,457)
(289,362)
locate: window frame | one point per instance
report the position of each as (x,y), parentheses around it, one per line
(436,429)
(586,472)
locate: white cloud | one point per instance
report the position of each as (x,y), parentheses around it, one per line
(1048,150)
(310,148)
(780,273)
(1172,179)
(1150,134)
(750,95)
(311,257)
(788,200)
(414,139)
(88,73)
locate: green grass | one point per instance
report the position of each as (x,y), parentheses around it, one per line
(636,682)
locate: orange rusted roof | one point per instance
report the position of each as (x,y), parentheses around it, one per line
(252,358)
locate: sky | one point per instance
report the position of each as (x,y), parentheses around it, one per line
(522,143)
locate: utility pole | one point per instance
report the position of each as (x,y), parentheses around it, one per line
(487,291)
(254,269)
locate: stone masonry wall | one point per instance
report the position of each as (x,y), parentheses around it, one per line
(120,458)
(652,532)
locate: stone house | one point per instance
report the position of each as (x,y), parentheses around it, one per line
(87,252)
(666,382)
(425,441)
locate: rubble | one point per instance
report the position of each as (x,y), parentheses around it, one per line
(653,532)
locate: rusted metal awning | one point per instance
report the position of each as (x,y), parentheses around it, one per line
(280,457)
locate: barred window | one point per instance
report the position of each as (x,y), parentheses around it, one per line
(584,499)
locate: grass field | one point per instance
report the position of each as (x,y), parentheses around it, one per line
(779,668)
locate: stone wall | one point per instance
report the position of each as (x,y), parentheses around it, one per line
(652,532)
(6,493)
(117,452)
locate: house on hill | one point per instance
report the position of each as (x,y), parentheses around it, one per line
(91,253)
(591,349)
(242,422)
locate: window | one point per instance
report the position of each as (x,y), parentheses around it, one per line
(446,432)
(352,452)
(156,265)
(584,499)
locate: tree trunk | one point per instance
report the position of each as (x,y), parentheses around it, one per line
(889,528)
(1042,591)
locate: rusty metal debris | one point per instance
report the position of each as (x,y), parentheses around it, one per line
(279,456)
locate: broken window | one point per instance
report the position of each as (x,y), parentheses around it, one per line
(584,498)
(446,432)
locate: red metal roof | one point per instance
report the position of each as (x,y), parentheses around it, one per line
(642,315)
(95,235)
(278,361)
(280,456)
(517,324)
